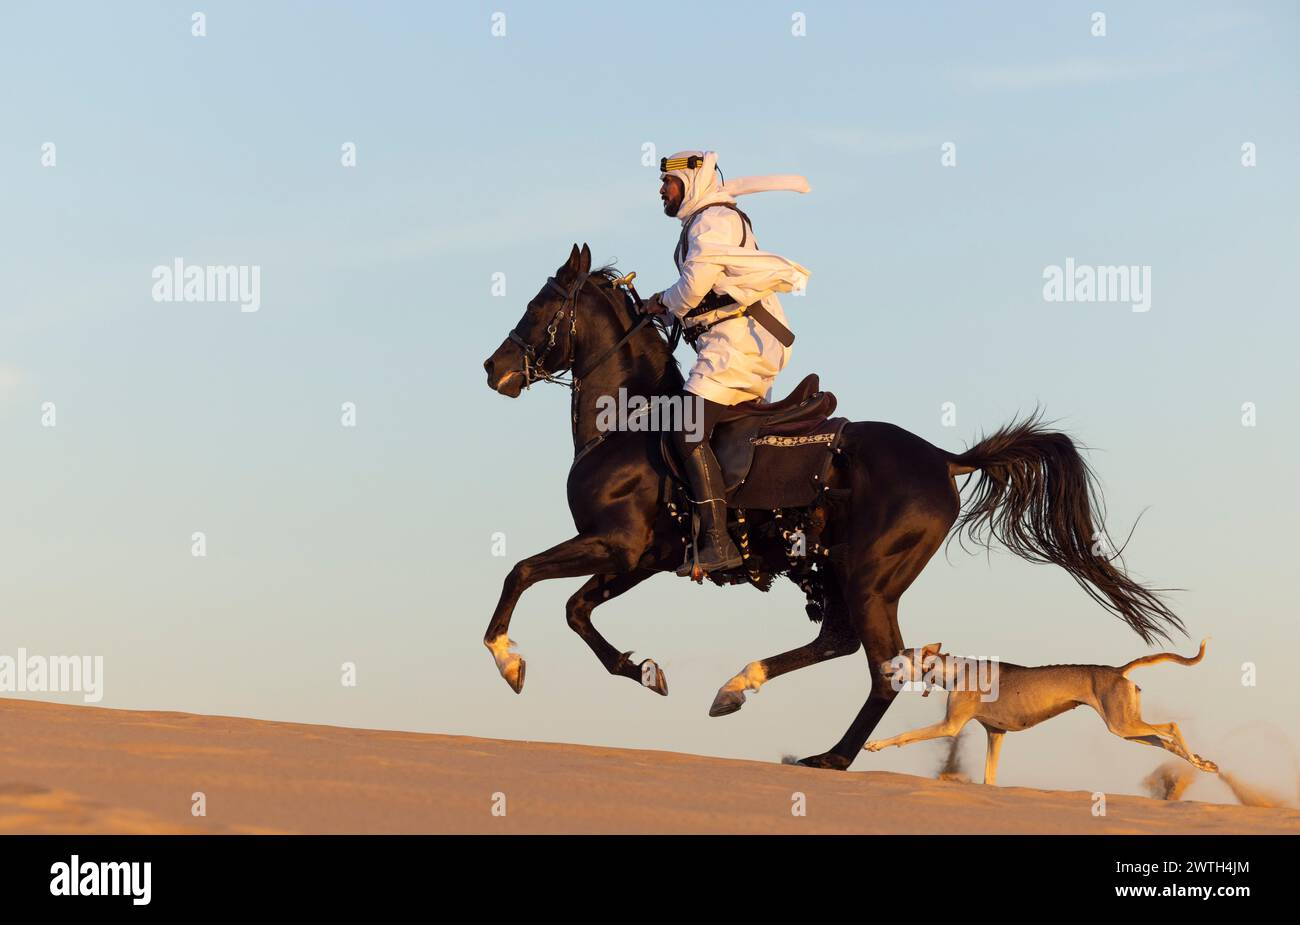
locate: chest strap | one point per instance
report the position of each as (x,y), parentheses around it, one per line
(683,245)
(713,301)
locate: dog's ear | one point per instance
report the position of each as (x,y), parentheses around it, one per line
(933,648)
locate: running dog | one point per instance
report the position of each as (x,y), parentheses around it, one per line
(1028,696)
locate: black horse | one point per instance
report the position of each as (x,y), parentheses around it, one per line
(1035,495)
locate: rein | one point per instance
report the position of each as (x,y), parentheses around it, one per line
(533,368)
(535,371)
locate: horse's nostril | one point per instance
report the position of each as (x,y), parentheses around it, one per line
(487,365)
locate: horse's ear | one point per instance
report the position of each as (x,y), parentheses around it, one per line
(575,258)
(585,265)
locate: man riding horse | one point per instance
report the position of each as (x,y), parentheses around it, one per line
(873,501)
(726,298)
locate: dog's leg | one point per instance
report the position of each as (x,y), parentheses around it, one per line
(1149,735)
(959,714)
(937,731)
(991,758)
(1172,730)
(1121,709)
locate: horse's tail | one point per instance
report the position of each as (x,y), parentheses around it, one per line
(1165,657)
(1037,496)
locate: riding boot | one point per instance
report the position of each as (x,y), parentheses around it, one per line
(715,551)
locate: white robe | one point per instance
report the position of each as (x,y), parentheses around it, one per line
(738,359)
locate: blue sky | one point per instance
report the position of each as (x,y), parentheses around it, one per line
(479,154)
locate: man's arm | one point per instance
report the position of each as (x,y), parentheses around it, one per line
(715,226)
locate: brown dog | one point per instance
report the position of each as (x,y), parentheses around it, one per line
(1027,696)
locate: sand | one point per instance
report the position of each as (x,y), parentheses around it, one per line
(80,769)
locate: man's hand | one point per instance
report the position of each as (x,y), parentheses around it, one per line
(653,305)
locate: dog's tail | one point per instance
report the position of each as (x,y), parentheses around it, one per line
(1165,657)
(1037,496)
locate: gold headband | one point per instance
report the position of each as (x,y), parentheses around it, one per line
(680,163)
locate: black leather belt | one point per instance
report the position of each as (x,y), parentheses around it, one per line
(713,302)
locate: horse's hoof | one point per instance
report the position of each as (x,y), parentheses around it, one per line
(727,702)
(653,677)
(514,674)
(731,696)
(511,665)
(827,761)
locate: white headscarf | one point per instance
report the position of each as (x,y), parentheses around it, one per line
(701,186)
(752,274)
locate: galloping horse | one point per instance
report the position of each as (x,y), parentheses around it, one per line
(1035,495)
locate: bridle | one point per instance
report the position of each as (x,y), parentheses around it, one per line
(534,369)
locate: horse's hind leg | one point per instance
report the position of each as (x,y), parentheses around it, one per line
(880,568)
(835,639)
(600,588)
(882,640)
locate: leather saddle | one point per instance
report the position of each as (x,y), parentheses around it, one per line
(777,453)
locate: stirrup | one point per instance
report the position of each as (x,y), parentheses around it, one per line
(722,562)
(690,567)
(694,568)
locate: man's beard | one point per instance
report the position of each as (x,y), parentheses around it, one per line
(671,207)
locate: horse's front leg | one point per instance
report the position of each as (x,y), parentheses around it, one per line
(601,588)
(582,555)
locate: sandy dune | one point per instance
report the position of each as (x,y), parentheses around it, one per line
(89,770)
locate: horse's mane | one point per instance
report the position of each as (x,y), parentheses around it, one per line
(672,380)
